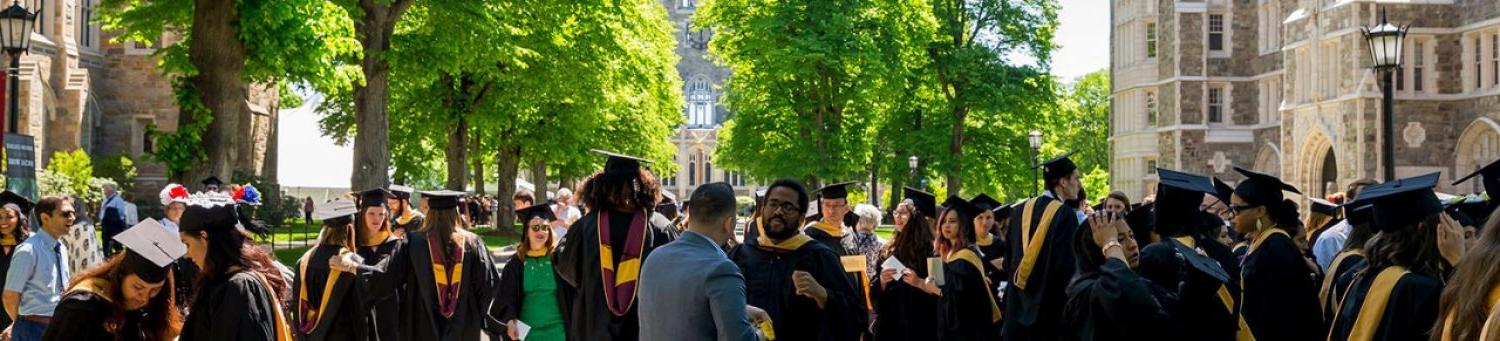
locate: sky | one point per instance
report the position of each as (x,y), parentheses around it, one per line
(310,160)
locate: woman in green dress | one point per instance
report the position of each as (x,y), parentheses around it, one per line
(528,285)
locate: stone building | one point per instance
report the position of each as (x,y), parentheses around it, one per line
(702,88)
(80,90)
(1285,87)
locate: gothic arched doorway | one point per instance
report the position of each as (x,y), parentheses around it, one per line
(1328,180)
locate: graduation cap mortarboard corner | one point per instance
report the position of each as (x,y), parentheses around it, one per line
(926,202)
(835,191)
(1489,177)
(621,162)
(963,207)
(442,200)
(8,198)
(374,197)
(1401,203)
(543,211)
(1222,191)
(1058,167)
(1003,212)
(335,209)
(212,180)
(1179,198)
(1323,206)
(1260,188)
(1476,210)
(985,202)
(152,241)
(401,192)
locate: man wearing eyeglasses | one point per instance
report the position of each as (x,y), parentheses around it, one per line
(38,272)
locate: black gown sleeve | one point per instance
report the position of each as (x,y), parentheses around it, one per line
(488,282)
(1286,297)
(509,295)
(79,316)
(243,311)
(383,280)
(844,306)
(567,259)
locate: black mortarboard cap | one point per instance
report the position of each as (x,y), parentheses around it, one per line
(1489,176)
(1477,211)
(1358,212)
(212,180)
(1403,202)
(835,191)
(543,211)
(620,162)
(963,207)
(1203,264)
(1260,189)
(442,200)
(985,202)
(1142,220)
(1179,197)
(1222,191)
(926,202)
(1324,206)
(1058,167)
(1459,216)
(374,198)
(8,198)
(401,192)
(1003,212)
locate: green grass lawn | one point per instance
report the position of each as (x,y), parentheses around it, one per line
(885,231)
(288,255)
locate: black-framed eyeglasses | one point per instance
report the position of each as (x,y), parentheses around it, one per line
(1237,208)
(540,228)
(782,206)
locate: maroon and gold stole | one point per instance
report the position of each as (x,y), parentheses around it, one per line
(619,280)
(309,314)
(446,280)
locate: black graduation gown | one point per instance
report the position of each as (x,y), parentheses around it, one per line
(1345,274)
(964,310)
(231,308)
(1114,303)
(343,317)
(80,315)
(576,261)
(421,316)
(5,255)
(769,286)
(1200,314)
(1410,312)
(511,294)
(843,246)
(1035,313)
(1280,299)
(413,225)
(989,253)
(903,312)
(381,298)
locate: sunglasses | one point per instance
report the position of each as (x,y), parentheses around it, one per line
(540,228)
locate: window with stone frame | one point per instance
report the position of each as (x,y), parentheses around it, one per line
(1478,62)
(1216,32)
(1150,40)
(1494,59)
(700,102)
(693,169)
(1151,166)
(1270,100)
(669,181)
(1151,108)
(41,18)
(1215,104)
(1418,66)
(87,31)
(687,3)
(1270,26)
(708,170)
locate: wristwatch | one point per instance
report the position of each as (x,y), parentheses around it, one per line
(1110,244)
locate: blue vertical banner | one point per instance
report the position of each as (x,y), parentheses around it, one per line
(20,165)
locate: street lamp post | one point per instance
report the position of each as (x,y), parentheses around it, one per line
(15,37)
(1035,139)
(911,162)
(1386,41)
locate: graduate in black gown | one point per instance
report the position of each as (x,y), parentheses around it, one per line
(534,301)
(128,297)
(798,281)
(14,228)
(992,247)
(1349,261)
(966,306)
(325,302)
(239,291)
(403,216)
(375,242)
(1180,264)
(1279,298)
(1396,297)
(600,295)
(452,279)
(1321,215)
(1041,257)
(1108,300)
(904,312)
(832,227)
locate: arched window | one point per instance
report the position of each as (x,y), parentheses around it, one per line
(1477,146)
(693,170)
(708,171)
(700,102)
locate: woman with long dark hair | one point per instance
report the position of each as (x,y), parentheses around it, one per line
(239,289)
(325,303)
(966,306)
(1203,285)
(528,287)
(375,243)
(1469,301)
(14,228)
(128,297)
(902,311)
(452,279)
(1279,300)
(1396,297)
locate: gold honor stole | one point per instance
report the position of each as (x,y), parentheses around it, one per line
(831,230)
(1328,280)
(1033,245)
(1373,308)
(283,332)
(788,245)
(377,238)
(973,259)
(619,280)
(984,239)
(446,281)
(308,315)
(1484,329)
(1243,334)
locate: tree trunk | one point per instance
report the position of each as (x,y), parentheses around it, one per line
(457,154)
(219,56)
(507,158)
(372,152)
(896,196)
(539,178)
(273,142)
(956,147)
(474,149)
(872,196)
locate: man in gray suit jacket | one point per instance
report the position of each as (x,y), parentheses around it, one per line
(689,290)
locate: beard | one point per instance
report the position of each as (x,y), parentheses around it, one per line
(787,230)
